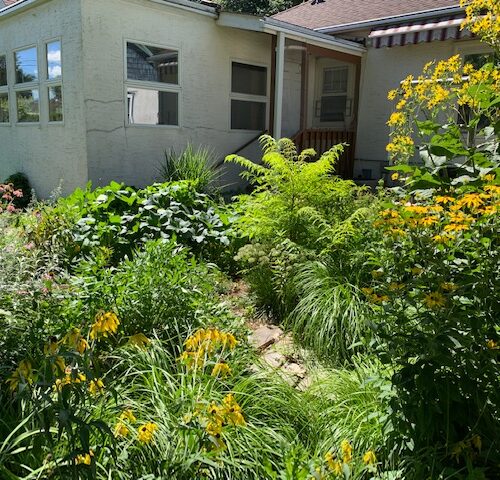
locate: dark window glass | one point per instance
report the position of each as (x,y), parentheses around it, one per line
(152,64)
(249,79)
(26,65)
(246,115)
(3,70)
(333,109)
(4,108)
(55,104)
(28,106)
(152,107)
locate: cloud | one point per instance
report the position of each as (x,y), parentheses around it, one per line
(55,71)
(54,56)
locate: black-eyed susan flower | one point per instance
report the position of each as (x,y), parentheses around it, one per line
(105,323)
(85,459)
(23,373)
(96,386)
(145,433)
(369,458)
(434,300)
(346,449)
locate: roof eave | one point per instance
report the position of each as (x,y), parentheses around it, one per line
(294,32)
(377,22)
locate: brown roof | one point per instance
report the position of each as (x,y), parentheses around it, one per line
(338,12)
(7,3)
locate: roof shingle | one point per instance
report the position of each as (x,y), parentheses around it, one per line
(339,12)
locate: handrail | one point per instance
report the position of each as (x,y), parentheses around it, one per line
(245,145)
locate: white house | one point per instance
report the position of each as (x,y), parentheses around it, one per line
(400,37)
(97,90)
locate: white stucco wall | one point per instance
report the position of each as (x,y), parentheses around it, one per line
(130,153)
(382,70)
(292,84)
(46,153)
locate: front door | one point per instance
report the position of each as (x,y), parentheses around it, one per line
(334,93)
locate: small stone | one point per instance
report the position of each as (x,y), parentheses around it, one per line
(274,359)
(264,336)
(304,384)
(294,369)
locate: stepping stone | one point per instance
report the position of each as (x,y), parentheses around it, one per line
(274,359)
(264,336)
(304,384)
(294,369)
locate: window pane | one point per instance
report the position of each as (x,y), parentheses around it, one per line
(248,115)
(28,106)
(249,79)
(54,66)
(152,107)
(3,70)
(152,64)
(4,108)
(335,80)
(26,65)
(333,109)
(55,104)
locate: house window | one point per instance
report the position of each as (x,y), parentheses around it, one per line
(53,76)
(27,87)
(4,94)
(333,103)
(248,97)
(152,85)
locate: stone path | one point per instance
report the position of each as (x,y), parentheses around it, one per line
(278,353)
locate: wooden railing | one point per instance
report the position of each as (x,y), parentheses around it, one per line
(323,139)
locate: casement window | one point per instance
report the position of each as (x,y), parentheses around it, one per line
(334,102)
(248,97)
(27,87)
(53,76)
(152,82)
(4,92)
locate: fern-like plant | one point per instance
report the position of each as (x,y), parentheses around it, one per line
(285,184)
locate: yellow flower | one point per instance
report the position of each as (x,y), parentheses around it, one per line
(128,415)
(493,189)
(121,430)
(214,428)
(23,373)
(389,213)
(392,94)
(96,386)
(59,365)
(146,432)
(139,340)
(51,347)
(367,290)
(105,323)
(491,344)
(434,300)
(377,273)
(60,383)
(470,200)
(418,209)
(369,458)
(448,286)
(401,104)
(334,465)
(395,176)
(416,270)
(346,448)
(444,199)
(232,411)
(428,221)
(75,340)
(394,286)
(85,459)
(396,118)
(221,368)
(455,227)
(476,442)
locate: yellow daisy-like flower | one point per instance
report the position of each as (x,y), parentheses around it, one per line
(334,465)
(396,118)
(121,430)
(105,323)
(23,373)
(51,347)
(222,369)
(470,200)
(444,199)
(392,94)
(346,449)
(492,345)
(369,458)
(448,286)
(428,221)
(232,411)
(456,227)
(395,176)
(75,340)
(434,300)
(85,459)
(128,415)
(139,340)
(145,433)
(96,386)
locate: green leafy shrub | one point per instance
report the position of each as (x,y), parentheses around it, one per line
(121,219)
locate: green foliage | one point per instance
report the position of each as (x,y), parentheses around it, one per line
(257,7)
(197,166)
(120,219)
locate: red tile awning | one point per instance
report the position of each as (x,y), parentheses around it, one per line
(410,34)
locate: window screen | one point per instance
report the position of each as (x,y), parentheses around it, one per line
(249,79)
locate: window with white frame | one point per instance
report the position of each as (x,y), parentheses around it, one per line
(27,87)
(334,101)
(153,87)
(4,92)
(248,97)
(53,76)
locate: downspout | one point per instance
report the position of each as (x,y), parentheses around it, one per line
(278,86)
